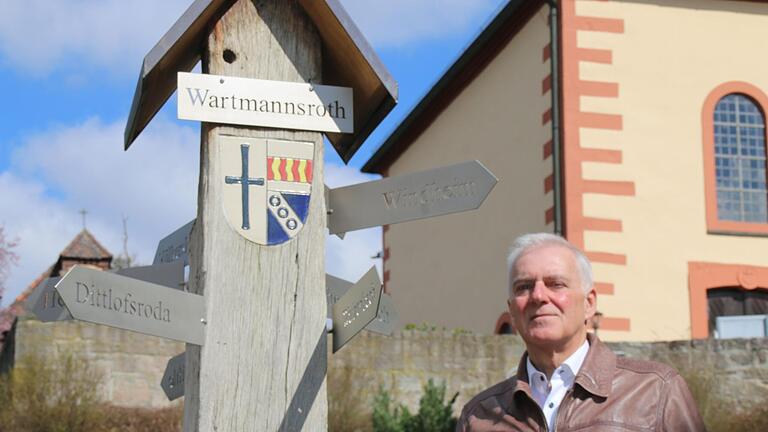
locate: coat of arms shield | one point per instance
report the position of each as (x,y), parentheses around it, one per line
(267,185)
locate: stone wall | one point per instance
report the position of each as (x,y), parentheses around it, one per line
(403,363)
(736,368)
(131,364)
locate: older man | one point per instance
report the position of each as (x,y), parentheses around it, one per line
(568,380)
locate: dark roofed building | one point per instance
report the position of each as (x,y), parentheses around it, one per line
(131,363)
(84,249)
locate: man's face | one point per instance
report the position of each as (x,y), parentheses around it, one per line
(547,302)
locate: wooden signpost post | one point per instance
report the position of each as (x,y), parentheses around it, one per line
(256,250)
(276,73)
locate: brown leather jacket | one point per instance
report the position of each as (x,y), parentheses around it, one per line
(609,394)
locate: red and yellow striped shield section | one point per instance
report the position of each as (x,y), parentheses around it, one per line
(289,169)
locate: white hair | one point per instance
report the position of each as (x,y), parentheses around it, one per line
(527,242)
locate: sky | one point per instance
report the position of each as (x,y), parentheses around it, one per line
(67,90)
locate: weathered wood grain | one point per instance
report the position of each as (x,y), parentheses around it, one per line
(263,364)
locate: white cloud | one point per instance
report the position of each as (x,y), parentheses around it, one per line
(396,23)
(337,175)
(39,36)
(57,172)
(36,36)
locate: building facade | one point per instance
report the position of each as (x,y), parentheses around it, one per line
(660,170)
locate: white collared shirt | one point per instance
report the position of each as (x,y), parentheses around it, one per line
(550,393)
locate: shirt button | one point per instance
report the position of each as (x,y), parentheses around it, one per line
(541,378)
(551,404)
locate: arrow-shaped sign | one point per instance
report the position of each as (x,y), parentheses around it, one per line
(46,304)
(169,275)
(173,247)
(118,301)
(356,308)
(386,318)
(407,197)
(173,378)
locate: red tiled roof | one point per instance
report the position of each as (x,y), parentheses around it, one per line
(85,246)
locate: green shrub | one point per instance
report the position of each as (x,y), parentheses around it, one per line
(57,394)
(60,394)
(434,415)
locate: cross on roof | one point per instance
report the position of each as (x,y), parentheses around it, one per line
(83,212)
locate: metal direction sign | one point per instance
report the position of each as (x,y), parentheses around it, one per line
(424,194)
(386,318)
(255,102)
(173,378)
(174,246)
(170,275)
(356,308)
(335,288)
(118,301)
(47,305)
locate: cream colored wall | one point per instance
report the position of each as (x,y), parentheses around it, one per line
(670,56)
(451,270)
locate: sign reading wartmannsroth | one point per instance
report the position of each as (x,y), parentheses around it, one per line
(277,104)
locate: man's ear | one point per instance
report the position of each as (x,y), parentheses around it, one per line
(590,304)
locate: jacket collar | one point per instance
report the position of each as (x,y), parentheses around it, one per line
(595,375)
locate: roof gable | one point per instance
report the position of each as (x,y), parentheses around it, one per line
(348,61)
(462,72)
(85,246)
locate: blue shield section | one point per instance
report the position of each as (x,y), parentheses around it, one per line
(275,233)
(299,205)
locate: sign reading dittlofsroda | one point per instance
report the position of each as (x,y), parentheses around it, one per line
(254,102)
(47,305)
(118,301)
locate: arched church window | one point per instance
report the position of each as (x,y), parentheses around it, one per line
(740,160)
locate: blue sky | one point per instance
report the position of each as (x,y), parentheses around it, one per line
(68,70)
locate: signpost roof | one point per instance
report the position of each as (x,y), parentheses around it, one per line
(348,61)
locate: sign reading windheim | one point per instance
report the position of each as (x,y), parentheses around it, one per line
(406,197)
(130,304)
(254,102)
